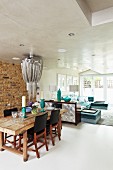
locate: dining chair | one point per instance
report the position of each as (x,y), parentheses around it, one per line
(37,133)
(53,125)
(57,105)
(8,112)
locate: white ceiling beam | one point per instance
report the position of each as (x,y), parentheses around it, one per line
(102,17)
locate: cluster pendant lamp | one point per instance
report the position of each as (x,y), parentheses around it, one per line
(32,70)
(31,67)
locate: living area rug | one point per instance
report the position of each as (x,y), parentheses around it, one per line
(106,118)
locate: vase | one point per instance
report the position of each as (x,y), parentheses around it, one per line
(59,95)
(24,112)
(42,105)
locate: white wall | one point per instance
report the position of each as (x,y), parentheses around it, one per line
(49,77)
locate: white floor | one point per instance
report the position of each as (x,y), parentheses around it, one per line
(83,147)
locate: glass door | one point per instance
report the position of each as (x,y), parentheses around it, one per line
(110,89)
(98,88)
(92,86)
(86,86)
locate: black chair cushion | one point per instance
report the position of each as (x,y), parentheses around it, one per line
(57,105)
(54,118)
(40,123)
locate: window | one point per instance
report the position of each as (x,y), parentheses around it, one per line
(65,80)
(62,82)
(69,82)
(75,80)
(99,86)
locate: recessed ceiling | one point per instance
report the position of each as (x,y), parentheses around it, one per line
(43,27)
(97,5)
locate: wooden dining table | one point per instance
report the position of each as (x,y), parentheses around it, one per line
(7,125)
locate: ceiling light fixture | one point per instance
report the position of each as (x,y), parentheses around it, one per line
(93,54)
(21,45)
(16,58)
(71,34)
(61,50)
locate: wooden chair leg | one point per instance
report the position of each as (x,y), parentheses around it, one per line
(59,131)
(35,143)
(45,140)
(60,121)
(51,135)
(5,137)
(14,141)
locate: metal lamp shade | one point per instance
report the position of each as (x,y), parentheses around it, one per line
(32,71)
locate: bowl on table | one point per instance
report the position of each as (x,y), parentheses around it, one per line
(28,109)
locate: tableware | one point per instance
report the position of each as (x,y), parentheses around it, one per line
(14,115)
(28,109)
(20,116)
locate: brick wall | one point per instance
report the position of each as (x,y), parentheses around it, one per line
(12,86)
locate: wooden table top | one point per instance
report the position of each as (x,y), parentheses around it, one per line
(7,125)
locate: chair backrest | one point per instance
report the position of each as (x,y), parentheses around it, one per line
(40,123)
(7,112)
(57,105)
(54,118)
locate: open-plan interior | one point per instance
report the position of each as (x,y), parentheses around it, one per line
(56,84)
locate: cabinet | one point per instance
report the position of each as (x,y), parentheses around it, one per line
(73,113)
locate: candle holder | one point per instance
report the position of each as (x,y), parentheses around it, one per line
(24,112)
(42,105)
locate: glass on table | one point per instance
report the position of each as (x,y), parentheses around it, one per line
(20,115)
(14,115)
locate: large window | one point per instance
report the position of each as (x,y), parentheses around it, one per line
(69,82)
(109,89)
(62,82)
(65,80)
(99,86)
